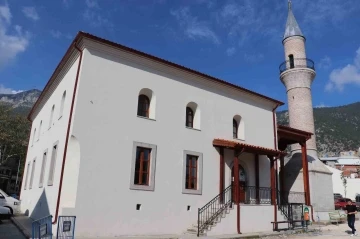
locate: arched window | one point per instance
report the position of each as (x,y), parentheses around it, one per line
(39,129)
(33,140)
(235,129)
(51,116)
(192,116)
(238,127)
(143,106)
(189,117)
(62,104)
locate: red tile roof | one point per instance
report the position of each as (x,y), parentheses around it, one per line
(247,147)
(82,35)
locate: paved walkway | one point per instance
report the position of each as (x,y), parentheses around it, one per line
(340,231)
(9,231)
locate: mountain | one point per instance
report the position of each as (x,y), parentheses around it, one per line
(337,128)
(21,102)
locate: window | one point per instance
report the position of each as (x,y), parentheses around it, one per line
(235,129)
(143,106)
(32,174)
(39,130)
(27,175)
(62,104)
(192,172)
(52,165)
(238,127)
(143,166)
(291,61)
(33,139)
(51,116)
(189,117)
(43,165)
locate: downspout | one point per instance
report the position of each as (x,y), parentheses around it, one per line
(68,133)
(274,126)
(276,187)
(237,196)
(275,147)
(312,213)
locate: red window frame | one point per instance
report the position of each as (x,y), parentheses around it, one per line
(142,166)
(191,172)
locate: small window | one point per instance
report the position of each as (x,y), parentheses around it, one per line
(191,172)
(143,106)
(189,117)
(291,61)
(32,174)
(52,165)
(33,139)
(235,129)
(192,116)
(62,104)
(143,167)
(39,130)
(43,165)
(27,175)
(238,127)
(51,116)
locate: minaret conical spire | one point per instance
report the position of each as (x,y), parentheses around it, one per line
(292,28)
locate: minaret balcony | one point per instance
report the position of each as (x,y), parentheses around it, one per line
(297,63)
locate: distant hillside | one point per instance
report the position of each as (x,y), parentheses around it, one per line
(337,128)
(21,102)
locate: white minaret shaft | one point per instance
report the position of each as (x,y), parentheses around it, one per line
(297,74)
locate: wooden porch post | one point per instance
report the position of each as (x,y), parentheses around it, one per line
(272,179)
(282,177)
(236,177)
(257,180)
(222,174)
(305,173)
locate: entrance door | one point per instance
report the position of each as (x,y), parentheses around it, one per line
(242,184)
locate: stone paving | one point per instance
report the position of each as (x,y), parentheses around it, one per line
(324,232)
(9,231)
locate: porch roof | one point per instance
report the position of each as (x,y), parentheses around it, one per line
(246,147)
(287,135)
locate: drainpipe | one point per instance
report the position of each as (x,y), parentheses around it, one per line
(276,186)
(68,133)
(274,126)
(237,196)
(312,213)
(276,165)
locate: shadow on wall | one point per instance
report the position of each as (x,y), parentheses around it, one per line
(41,208)
(292,169)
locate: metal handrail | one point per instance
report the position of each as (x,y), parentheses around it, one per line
(215,207)
(297,63)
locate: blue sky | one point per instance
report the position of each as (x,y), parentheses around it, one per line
(236,40)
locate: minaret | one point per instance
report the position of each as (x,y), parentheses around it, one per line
(297,74)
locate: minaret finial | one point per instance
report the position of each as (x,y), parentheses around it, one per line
(289,5)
